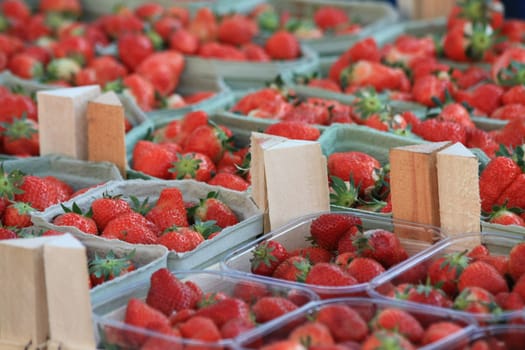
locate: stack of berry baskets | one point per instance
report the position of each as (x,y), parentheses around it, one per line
(203,308)
(361,323)
(197,222)
(474,274)
(335,254)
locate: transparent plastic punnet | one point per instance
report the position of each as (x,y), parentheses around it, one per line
(502,336)
(111,330)
(414,272)
(294,235)
(350,332)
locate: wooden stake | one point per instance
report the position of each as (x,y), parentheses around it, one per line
(414,187)
(458,184)
(62,122)
(106,131)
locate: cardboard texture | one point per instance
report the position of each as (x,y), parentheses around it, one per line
(458,188)
(106,131)
(70,323)
(290,178)
(62,120)
(414,184)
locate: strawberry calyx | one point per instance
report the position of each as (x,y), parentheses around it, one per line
(476,10)
(141,207)
(374,205)
(499,211)
(512,75)
(302,269)
(155,38)
(10,183)
(110,266)
(466,298)
(262,254)
(64,68)
(23,208)
(456,261)
(206,228)
(516,154)
(343,194)
(77,210)
(19,128)
(116,85)
(480,38)
(185,166)
(369,102)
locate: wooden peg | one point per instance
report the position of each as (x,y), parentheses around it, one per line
(414,186)
(62,122)
(106,131)
(458,187)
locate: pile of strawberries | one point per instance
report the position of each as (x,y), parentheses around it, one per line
(181,309)
(194,147)
(360,324)
(474,281)
(170,221)
(340,254)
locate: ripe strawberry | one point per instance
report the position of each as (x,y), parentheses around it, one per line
(468,42)
(313,254)
(133,48)
(296,130)
(75,47)
(152,159)
(512,134)
(513,300)
(74,217)
(17,214)
(509,112)
(156,342)
(204,25)
(212,208)
(512,196)
(209,140)
(445,271)
(506,216)
(345,244)
(382,245)
(26,66)
(102,269)
(236,29)
(254,52)
(149,11)
(138,87)
(139,314)
(131,227)
(16,105)
(294,268)
(327,274)
(429,86)
(221,51)
(365,49)
(364,269)
(401,321)
(382,338)
(169,210)
(231,181)
(421,293)
(224,310)
(312,334)
(183,41)
(498,175)
(481,274)
(476,300)
(344,323)
(66,7)
(167,293)
(20,137)
(373,74)
(106,208)
(37,192)
(435,130)
(478,251)
(517,261)
(514,95)
(180,239)
(271,307)
(193,165)
(439,330)
(267,255)
(250,291)
(477,138)
(330,17)
(326,229)
(15,10)
(283,45)
(236,326)
(163,70)
(356,167)
(6,233)
(200,328)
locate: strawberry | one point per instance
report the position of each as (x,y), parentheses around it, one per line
(250,291)
(282,45)
(149,11)
(421,293)
(296,130)
(75,47)
(131,227)
(236,326)
(365,73)
(512,196)
(284,345)
(224,310)
(21,137)
(152,159)
(357,167)
(382,338)
(326,229)
(163,70)
(506,68)
(517,261)
(266,256)
(468,42)
(139,314)
(106,208)
(327,274)
(65,7)
(165,26)
(271,307)
(212,208)
(201,329)
(15,10)
(481,274)
(204,25)
(133,48)
(312,334)
(364,269)
(17,214)
(345,323)
(254,52)
(167,293)
(364,49)
(231,181)
(445,271)
(514,95)
(314,254)
(294,268)
(137,87)
(26,66)
(221,51)
(498,175)
(509,112)
(36,191)
(512,134)
(156,342)
(6,233)
(429,86)
(400,321)
(180,239)
(476,300)
(102,269)
(184,41)
(76,218)
(193,165)
(62,69)
(477,138)
(485,97)
(330,17)
(117,24)
(236,29)
(513,300)
(435,131)
(506,216)
(209,140)
(439,330)
(382,245)
(169,210)
(457,113)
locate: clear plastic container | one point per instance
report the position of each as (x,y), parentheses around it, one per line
(367,309)
(414,270)
(294,235)
(108,315)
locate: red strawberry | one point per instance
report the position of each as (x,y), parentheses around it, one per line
(149,11)
(344,322)
(169,210)
(330,17)
(327,274)
(498,175)
(75,218)
(267,255)
(514,95)
(107,208)
(133,48)
(314,254)
(373,74)
(294,268)
(271,307)
(221,51)
(181,239)
(184,41)
(167,293)
(250,291)
(209,140)
(236,326)
(163,70)
(512,134)
(139,314)
(224,310)
(204,25)
(201,329)
(254,52)
(6,233)
(231,181)
(356,167)
(364,269)
(481,274)
(212,208)
(517,261)
(132,228)
(509,112)
(138,87)
(513,196)
(445,271)
(326,229)
(193,165)
(294,130)
(17,214)
(439,330)
(106,268)
(26,66)
(382,245)
(435,130)
(506,216)
(236,29)
(365,49)
(383,338)
(282,45)
(71,7)
(399,320)
(312,333)
(513,300)
(429,86)
(152,159)
(15,10)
